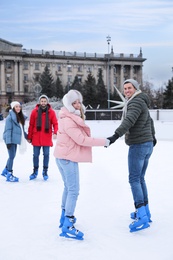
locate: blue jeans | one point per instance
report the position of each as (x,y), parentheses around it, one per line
(70,174)
(138,158)
(11,154)
(36,150)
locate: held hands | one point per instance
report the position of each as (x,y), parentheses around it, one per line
(112,138)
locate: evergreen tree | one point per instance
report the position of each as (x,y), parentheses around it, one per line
(89,91)
(76,84)
(168,95)
(58,91)
(47,82)
(101,92)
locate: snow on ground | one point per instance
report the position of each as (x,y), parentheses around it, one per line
(30,210)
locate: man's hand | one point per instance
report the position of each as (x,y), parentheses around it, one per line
(113,138)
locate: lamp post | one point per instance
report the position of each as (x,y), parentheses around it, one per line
(68,79)
(108,72)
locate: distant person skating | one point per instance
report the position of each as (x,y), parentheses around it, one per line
(138,128)
(14,134)
(43,125)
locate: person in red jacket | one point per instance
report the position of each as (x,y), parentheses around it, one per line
(42,125)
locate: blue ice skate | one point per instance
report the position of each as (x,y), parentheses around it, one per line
(33,175)
(4,172)
(11,178)
(69,231)
(62,218)
(141,221)
(45,176)
(133,214)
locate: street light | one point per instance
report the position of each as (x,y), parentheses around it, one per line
(108,76)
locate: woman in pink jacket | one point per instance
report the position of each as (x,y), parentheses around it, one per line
(73,145)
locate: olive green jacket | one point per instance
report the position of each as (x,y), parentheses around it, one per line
(137,125)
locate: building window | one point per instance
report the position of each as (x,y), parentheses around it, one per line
(89,69)
(79,79)
(8,65)
(135,69)
(26,88)
(36,77)
(25,77)
(69,79)
(36,66)
(8,77)
(59,67)
(79,68)
(25,66)
(9,89)
(69,68)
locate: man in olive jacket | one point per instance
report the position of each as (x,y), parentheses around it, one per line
(138,128)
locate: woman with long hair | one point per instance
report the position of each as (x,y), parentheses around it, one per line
(14,134)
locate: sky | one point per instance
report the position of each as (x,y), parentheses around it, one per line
(30,210)
(83,26)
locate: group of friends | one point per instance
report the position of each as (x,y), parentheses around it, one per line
(74,144)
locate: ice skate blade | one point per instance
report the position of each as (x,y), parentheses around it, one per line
(143,226)
(63,234)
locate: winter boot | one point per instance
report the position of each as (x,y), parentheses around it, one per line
(133,214)
(69,231)
(62,218)
(34,174)
(141,220)
(45,176)
(11,178)
(4,172)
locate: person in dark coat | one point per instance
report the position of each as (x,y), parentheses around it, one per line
(43,125)
(138,128)
(14,134)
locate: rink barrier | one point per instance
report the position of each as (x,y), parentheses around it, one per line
(156,114)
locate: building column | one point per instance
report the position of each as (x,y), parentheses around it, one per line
(121,77)
(140,75)
(3,90)
(131,71)
(16,82)
(21,90)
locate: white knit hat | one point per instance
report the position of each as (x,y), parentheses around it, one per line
(44,96)
(71,97)
(14,103)
(133,82)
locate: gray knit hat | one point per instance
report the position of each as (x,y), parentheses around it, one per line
(133,82)
(43,96)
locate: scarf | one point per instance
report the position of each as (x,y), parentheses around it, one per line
(39,119)
(127,101)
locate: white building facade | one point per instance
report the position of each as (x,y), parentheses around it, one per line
(20,69)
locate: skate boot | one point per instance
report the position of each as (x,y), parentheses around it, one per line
(141,220)
(11,178)
(133,214)
(4,172)
(62,218)
(69,231)
(45,176)
(34,174)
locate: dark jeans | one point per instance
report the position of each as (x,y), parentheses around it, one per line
(36,150)
(11,154)
(138,159)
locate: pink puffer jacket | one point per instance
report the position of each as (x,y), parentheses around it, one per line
(73,138)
